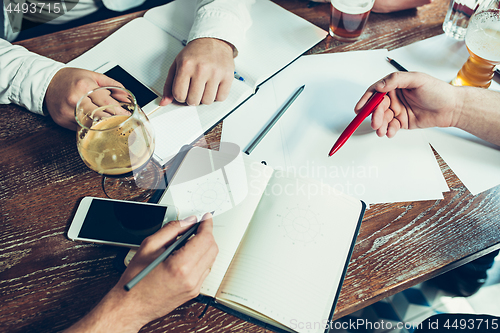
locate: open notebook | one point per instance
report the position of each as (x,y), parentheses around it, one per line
(147,46)
(284,242)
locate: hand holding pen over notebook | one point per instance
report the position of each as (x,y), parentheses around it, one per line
(180,241)
(172,283)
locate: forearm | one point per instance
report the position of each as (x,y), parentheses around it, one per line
(388,6)
(480,113)
(112,314)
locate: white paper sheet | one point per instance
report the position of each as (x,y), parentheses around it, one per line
(367,167)
(474,161)
(439,56)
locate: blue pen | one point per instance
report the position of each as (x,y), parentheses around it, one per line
(238,77)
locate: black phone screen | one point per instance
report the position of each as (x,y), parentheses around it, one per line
(142,93)
(121,222)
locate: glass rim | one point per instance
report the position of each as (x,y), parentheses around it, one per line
(371,6)
(134,101)
(485,5)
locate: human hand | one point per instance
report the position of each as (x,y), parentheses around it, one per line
(172,283)
(67,87)
(388,6)
(201,73)
(413,100)
(179,278)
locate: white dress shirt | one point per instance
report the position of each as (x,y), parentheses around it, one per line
(25,76)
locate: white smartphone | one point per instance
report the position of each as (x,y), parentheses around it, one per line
(118,222)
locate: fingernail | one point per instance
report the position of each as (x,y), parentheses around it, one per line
(188,221)
(206,216)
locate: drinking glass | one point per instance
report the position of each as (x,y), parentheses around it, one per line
(116,139)
(457,18)
(483,43)
(348,18)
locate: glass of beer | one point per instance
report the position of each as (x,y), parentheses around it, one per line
(116,139)
(348,18)
(483,43)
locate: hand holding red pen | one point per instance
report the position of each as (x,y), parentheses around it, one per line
(412,100)
(373,101)
(405,100)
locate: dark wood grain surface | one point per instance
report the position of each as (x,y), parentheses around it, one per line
(47,282)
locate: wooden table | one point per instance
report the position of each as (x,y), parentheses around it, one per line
(48,282)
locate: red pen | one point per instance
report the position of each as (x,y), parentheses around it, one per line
(365,111)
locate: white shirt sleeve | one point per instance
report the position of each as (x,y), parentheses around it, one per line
(122,5)
(227,20)
(24,76)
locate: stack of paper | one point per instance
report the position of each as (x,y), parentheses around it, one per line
(370,168)
(373,169)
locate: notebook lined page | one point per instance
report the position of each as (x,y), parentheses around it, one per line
(192,195)
(176,17)
(275,38)
(147,59)
(290,262)
(230,226)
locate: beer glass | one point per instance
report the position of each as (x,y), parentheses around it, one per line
(483,43)
(348,18)
(116,139)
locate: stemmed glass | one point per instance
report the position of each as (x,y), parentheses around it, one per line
(116,139)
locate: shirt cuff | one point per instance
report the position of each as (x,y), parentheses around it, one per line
(207,24)
(50,74)
(32,81)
